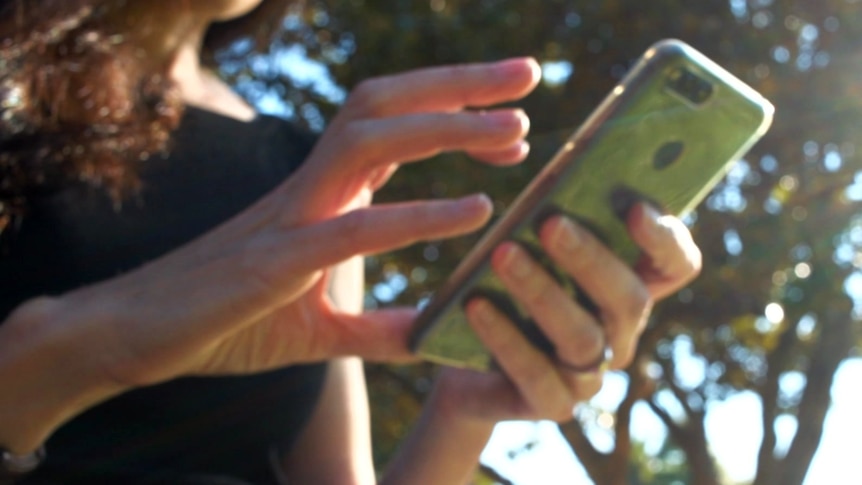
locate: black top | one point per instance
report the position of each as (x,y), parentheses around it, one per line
(75,236)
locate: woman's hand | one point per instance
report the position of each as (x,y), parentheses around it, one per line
(534,386)
(250,296)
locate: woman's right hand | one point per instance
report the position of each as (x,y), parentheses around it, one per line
(250,296)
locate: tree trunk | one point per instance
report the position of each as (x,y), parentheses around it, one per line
(836,341)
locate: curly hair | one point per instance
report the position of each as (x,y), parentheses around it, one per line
(77,103)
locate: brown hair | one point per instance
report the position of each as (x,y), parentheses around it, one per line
(76,103)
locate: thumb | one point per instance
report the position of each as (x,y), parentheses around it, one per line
(377,336)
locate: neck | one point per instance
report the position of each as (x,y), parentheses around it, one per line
(184,68)
(201,88)
(172,36)
(169,34)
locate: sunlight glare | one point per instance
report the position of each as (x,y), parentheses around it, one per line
(774,313)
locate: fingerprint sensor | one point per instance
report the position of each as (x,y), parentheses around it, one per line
(668,154)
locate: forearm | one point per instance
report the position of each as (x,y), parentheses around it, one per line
(443,448)
(335,446)
(47,373)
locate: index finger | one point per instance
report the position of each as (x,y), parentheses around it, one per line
(671,257)
(443,89)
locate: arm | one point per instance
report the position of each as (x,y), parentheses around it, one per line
(217,305)
(47,372)
(443,448)
(335,447)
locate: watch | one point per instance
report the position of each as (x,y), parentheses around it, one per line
(13,465)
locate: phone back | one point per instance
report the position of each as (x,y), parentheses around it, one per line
(666,134)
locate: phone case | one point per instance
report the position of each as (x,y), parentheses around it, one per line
(666,134)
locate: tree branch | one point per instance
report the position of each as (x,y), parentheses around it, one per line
(777,362)
(833,347)
(669,369)
(676,432)
(594,461)
(494,475)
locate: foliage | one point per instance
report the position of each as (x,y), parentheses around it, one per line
(667,467)
(782,232)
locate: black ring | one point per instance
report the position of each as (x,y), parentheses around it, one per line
(599,365)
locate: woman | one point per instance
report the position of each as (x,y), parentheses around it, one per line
(173,282)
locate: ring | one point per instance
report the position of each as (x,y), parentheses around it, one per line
(598,366)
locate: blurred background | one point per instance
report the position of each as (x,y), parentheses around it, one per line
(749,375)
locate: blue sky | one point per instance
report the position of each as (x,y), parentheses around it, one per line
(733,428)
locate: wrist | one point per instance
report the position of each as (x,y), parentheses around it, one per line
(444,446)
(448,405)
(47,368)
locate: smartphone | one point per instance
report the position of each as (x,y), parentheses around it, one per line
(666,134)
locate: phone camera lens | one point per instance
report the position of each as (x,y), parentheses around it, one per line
(690,86)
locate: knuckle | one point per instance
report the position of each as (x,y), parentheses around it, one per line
(353,224)
(623,345)
(586,348)
(694,262)
(626,356)
(504,345)
(364,97)
(564,415)
(524,410)
(534,377)
(460,71)
(637,302)
(424,220)
(588,388)
(585,256)
(563,411)
(529,373)
(463,73)
(426,212)
(529,282)
(36,310)
(539,291)
(354,136)
(357,140)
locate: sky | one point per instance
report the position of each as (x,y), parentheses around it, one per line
(551,462)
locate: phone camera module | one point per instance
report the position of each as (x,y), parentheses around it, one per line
(690,86)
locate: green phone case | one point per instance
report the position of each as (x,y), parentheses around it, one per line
(666,134)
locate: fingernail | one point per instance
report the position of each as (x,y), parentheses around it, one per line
(516,263)
(510,67)
(653,217)
(567,236)
(505,118)
(652,213)
(478,200)
(523,148)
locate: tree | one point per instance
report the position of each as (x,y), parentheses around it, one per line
(781,236)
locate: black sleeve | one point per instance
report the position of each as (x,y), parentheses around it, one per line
(77,235)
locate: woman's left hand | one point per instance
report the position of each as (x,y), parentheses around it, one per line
(533,385)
